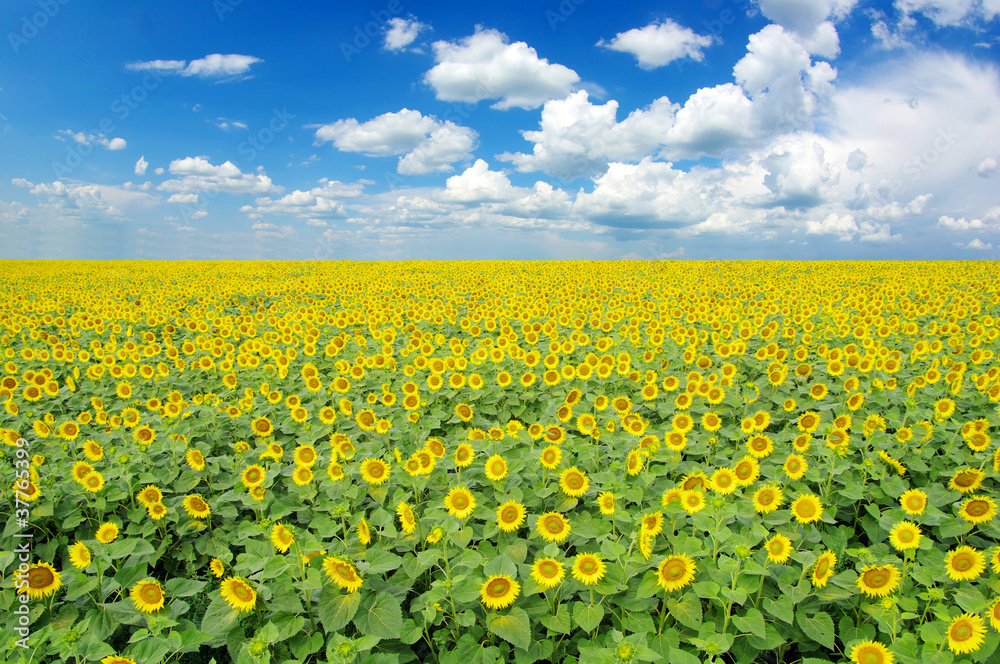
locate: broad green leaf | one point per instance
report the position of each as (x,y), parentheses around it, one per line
(752,622)
(588,617)
(337,609)
(819,628)
(781,608)
(687,610)
(380,616)
(514,627)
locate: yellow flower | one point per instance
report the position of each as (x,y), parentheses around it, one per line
(978,509)
(966,480)
(823,569)
(305,455)
(547,572)
(692,501)
(496,468)
(878,580)
(905,535)
(551,457)
(807,508)
(964,563)
(913,502)
(364,532)
(282,537)
(374,471)
(217,568)
(588,568)
(675,572)
(573,482)
(779,548)
(238,593)
(79,555)
(553,527)
(966,633)
(196,507)
(767,499)
(499,591)
(510,516)
(606,503)
(406,517)
(302,475)
(435,535)
(464,455)
(40,580)
(795,466)
(342,573)
(107,533)
(147,595)
(652,524)
(460,502)
(871,652)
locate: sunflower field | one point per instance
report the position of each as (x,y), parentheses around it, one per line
(479,462)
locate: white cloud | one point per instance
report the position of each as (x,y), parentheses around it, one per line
(811,21)
(141,165)
(952,224)
(93,201)
(834,224)
(199,175)
(215,65)
(987,167)
(401,32)
(948,12)
(183,199)
(323,201)
(227,125)
(22,183)
(426,144)
(659,44)
(92,139)
(975,245)
(485,66)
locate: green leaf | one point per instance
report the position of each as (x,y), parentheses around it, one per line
(687,610)
(381,617)
(220,619)
(638,623)
(513,627)
(588,617)
(182,587)
(379,562)
(560,622)
(819,628)
(336,610)
(781,608)
(678,656)
(752,622)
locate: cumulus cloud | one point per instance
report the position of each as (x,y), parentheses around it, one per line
(427,145)
(325,200)
(401,32)
(812,22)
(141,165)
(987,167)
(975,245)
(92,139)
(93,201)
(215,65)
(485,66)
(197,174)
(952,224)
(659,44)
(22,183)
(948,12)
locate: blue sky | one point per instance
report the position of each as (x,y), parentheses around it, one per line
(246,129)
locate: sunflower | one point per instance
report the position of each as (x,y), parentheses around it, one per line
(606,503)
(149,495)
(588,568)
(672,495)
(80,470)
(374,471)
(696,481)
(943,409)
(553,527)
(464,455)
(335,471)
(779,548)
(460,502)
(499,591)
(760,445)
(196,507)
(913,502)
(723,481)
(767,499)
(652,524)
(93,482)
(510,516)
(807,508)
(496,468)
(905,535)
(823,569)
(107,533)
(117,659)
(257,492)
(262,427)
(547,572)
(795,466)
(878,580)
(79,555)
(692,501)
(406,517)
(302,475)
(746,471)
(808,421)
(978,509)
(305,455)
(217,568)
(342,573)
(238,593)
(93,451)
(364,532)
(573,482)
(252,475)
(551,457)
(675,572)
(966,633)
(871,652)
(633,463)
(147,595)
(40,580)
(964,563)
(966,480)
(157,511)
(995,615)
(282,537)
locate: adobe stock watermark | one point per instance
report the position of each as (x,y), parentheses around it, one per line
(225,7)
(22,512)
(121,108)
(918,164)
(248,148)
(562,12)
(34,23)
(373,29)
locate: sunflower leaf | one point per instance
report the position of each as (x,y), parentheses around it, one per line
(588,617)
(818,627)
(513,627)
(381,617)
(336,610)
